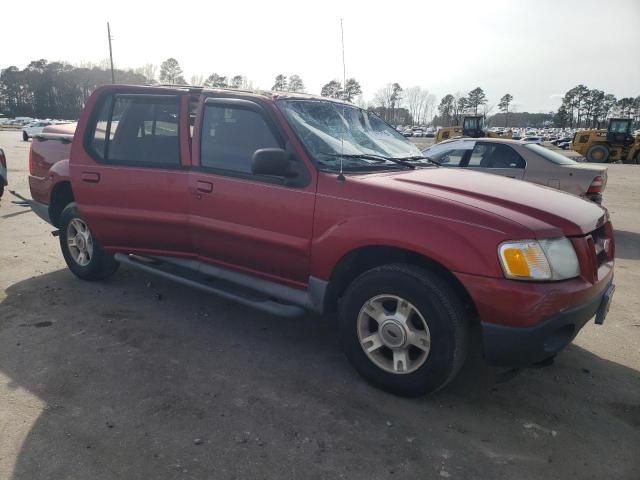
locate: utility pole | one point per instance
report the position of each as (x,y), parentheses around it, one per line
(113,76)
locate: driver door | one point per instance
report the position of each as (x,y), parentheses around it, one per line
(247,221)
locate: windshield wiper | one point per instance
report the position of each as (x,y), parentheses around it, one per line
(376,158)
(419,157)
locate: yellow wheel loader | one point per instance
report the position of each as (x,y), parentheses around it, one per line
(616,143)
(471,127)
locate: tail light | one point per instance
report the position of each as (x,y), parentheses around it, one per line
(31,170)
(3,160)
(597,185)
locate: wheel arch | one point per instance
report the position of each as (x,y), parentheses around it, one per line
(361,259)
(61,196)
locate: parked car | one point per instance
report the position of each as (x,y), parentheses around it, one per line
(533,139)
(3,172)
(526,161)
(271,202)
(418,132)
(34,128)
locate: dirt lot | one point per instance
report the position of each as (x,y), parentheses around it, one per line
(138,378)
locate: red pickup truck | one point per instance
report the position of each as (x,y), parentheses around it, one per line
(292,203)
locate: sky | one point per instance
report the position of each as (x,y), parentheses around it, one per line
(535,50)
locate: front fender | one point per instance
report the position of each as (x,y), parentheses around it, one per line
(459,246)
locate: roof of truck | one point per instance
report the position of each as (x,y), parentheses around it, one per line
(269,94)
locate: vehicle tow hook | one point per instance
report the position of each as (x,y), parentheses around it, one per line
(56,233)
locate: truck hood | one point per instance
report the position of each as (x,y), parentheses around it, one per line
(545,211)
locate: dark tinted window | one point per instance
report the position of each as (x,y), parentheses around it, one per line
(620,126)
(231,135)
(138,130)
(495,155)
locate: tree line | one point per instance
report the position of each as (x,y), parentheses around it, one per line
(58,90)
(54,90)
(585,107)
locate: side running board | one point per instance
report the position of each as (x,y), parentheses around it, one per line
(258,293)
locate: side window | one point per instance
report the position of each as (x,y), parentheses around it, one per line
(138,130)
(230,136)
(496,155)
(450,154)
(451,158)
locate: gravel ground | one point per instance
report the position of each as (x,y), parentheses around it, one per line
(138,378)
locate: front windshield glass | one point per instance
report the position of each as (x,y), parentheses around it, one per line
(472,123)
(333,131)
(549,154)
(618,126)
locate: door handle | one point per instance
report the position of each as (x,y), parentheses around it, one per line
(90,177)
(204,187)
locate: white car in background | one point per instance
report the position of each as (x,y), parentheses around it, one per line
(34,128)
(533,139)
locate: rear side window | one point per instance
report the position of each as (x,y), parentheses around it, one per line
(230,136)
(137,130)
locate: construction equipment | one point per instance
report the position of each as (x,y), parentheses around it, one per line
(471,127)
(616,143)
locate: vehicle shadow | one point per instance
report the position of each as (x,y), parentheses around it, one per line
(627,244)
(139,378)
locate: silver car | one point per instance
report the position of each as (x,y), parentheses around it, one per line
(522,160)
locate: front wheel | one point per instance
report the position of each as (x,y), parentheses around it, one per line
(25,137)
(404,329)
(84,256)
(597,154)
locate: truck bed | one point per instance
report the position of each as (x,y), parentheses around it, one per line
(47,148)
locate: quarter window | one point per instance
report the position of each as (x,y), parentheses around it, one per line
(138,130)
(230,136)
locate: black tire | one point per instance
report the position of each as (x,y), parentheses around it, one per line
(638,158)
(439,305)
(101,264)
(25,137)
(597,154)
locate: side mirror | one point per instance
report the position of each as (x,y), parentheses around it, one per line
(271,161)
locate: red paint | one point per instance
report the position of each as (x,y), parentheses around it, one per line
(456,218)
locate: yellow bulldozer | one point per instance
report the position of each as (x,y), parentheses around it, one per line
(616,143)
(471,127)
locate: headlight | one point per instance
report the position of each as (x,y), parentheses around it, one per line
(552,259)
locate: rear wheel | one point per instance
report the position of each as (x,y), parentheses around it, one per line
(84,256)
(25,137)
(597,154)
(404,329)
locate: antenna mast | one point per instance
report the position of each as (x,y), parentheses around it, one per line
(344,85)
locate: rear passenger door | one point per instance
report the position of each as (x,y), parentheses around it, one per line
(129,181)
(250,222)
(496,158)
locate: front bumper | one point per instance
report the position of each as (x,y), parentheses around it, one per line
(520,347)
(527,322)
